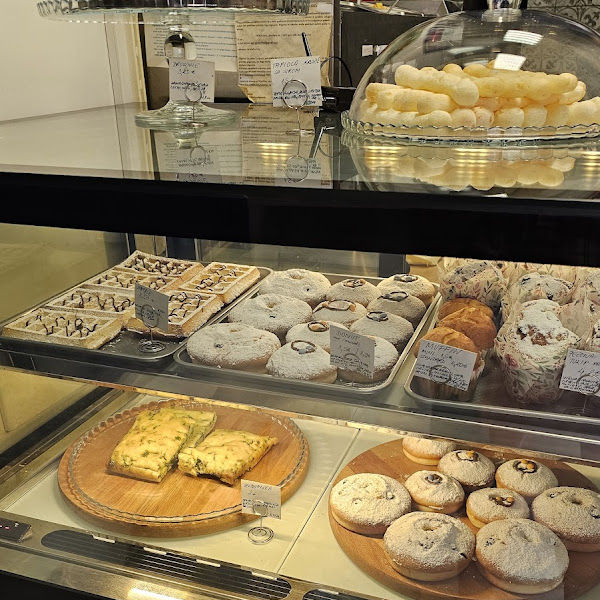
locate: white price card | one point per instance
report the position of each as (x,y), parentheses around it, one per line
(151,307)
(445,364)
(352,351)
(261,499)
(192,80)
(305,70)
(581,372)
(199,165)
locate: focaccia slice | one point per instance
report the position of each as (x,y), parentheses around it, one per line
(150,448)
(226,454)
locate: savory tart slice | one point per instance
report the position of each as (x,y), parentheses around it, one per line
(226,454)
(150,448)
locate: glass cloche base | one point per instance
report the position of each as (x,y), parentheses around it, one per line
(174,114)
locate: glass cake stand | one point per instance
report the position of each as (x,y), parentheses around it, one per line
(178,15)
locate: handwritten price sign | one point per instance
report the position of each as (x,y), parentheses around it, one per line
(151,307)
(263,494)
(581,372)
(192,80)
(352,351)
(307,70)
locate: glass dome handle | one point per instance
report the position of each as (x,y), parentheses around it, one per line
(180,43)
(499,4)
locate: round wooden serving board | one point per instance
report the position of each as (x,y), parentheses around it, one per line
(180,505)
(368,552)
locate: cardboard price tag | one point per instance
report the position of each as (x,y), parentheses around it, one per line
(581,372)
(307,71)
(191,80)
(151,307)
(263,495)
(445,364)
(352,351)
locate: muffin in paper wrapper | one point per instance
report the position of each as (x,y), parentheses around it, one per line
(443,391)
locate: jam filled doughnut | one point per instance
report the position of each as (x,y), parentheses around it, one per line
(426,451)
(316,332)
(305,285)
(353,290)
(525,476)
(339,311)
(429,547)
(302,360)
(271,312)
(573,514)
(400,304)
(368,503)
(415,285)
(233,346)
(492,504)
(392,328)
(472,469)
(521,556)
(435,492)
(386,357)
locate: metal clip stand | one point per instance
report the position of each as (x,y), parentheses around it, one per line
(295,95)
(150,319)
(261,534)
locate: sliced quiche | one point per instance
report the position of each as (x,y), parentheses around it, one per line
(225,454)
(150,448)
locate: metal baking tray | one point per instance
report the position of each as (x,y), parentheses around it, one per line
(491,398)
(183,358)
(122,349)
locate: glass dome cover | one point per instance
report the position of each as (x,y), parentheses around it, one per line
(482,76)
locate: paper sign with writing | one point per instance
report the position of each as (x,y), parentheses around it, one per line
(305,70)
(581,372)
(199,165)
(151,307)
(261,499)
(191,80)
(445,364)
(352,351)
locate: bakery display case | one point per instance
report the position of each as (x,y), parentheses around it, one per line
(490,253)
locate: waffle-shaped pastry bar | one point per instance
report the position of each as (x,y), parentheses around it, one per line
(148,264)
(225,280)
(187,312)
(125,280)
(96,303)
(150,448)
(52,326)
(225,454)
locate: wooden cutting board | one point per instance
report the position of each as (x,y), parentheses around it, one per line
(368,552)
(180,505)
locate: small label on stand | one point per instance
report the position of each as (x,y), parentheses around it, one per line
(191,80)
(445,364)
(307,70)
(151,307)
(352,351)
(268,497)
(581,372)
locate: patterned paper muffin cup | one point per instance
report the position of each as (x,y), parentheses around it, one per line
(443,391)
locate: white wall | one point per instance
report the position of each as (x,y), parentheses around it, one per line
(49,66)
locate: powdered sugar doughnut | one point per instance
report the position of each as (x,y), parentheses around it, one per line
(305,285)
(400,304)
(426,451)
(435,492)
(521,556)
(302,360)
(339,311)
(317,332)
(573,514)
(415,285)
(386,357)
(368,503)
(233,346)
(271,312)
(392,328)
(472,469)
(528,477)
(429,547)
(492,504)
(359,291)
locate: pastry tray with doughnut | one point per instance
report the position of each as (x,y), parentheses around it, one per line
(299,386)
(118,303)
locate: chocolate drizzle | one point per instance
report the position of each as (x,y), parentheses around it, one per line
(318,326)
(433,478)
(306,349)
(353,283)
(378,315)
(396,296)
(335,305)
(405,278)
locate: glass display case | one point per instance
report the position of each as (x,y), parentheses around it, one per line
(211,218)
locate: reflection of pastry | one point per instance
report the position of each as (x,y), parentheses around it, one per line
(526,476)
(451,306)
(401,304)
(233,346)
(392,328)
(521,556)
(354,290)
(305,285)
(491,504)
(386,357)
(317,332)
(302,360)
(573,514)
(435,492)
(478,327)
(368,503)
(426,451)
(415,285)
(339,311)
(471,469)
(429,547)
